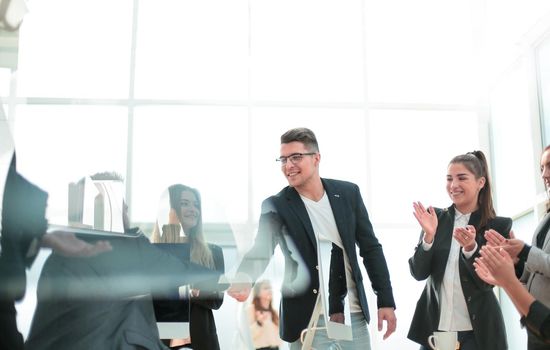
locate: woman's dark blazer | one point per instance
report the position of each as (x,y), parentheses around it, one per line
(202,326)
(483,307)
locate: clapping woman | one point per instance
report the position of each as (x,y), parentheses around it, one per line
(455,298)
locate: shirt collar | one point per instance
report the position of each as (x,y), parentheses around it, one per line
(460,216)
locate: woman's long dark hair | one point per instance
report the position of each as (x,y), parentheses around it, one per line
(476,163)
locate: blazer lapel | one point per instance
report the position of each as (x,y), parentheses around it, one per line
(297,206)
(444,235)
(543,226)
(336,200)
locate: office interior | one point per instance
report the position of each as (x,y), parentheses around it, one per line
(198,92)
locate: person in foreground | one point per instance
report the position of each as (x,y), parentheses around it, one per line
(105,301)
(495,266)
(532,261)
(455,298)
(24,227)
(185,226)
(23,231)
(308,209)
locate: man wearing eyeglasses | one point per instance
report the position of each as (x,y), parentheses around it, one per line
(296,218)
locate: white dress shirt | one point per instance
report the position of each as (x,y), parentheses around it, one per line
(454,314)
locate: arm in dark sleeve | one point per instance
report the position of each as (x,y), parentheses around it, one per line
(538,320)
(164,272)
(420,264)
(23,225)
(373,256)
(257,258)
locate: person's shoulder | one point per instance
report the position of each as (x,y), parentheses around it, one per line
(443,211)
(340,184)
(283,193)
(502,221)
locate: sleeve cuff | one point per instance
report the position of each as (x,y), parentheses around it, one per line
(538,313)
(524,253)
(426,246)
(469,254)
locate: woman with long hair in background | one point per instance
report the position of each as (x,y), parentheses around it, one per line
(184,225)
(264,320)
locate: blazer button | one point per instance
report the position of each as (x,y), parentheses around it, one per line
(473,316)
(317,267)
(469,299)
(315,291)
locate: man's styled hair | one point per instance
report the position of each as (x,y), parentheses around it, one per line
(303,135)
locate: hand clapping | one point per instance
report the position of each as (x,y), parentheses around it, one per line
(466,237)
(427,220)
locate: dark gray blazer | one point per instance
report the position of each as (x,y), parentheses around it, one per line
(483,307)
(285,222)
(23,224)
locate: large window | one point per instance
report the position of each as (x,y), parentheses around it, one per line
(199,92)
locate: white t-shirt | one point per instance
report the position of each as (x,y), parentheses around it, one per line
(324,226)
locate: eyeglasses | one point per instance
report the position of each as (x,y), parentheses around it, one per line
(294,158)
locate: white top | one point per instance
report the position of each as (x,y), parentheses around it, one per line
(324,226)
(265,335)
(454,314)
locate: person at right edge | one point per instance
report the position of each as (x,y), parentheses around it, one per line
(532,262)
(455,298)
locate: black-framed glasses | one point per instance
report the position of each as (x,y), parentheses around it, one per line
(294,158)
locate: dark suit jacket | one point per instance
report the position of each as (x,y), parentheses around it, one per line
(483,307)
(285,222)
(104,302)
(202,327)
(23,223)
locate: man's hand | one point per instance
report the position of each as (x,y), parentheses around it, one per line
(387,314)
(338,317)
(67,244)
(239,291)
